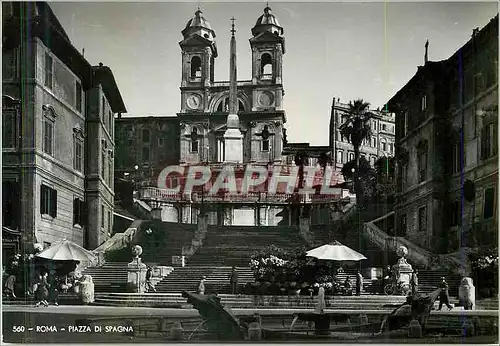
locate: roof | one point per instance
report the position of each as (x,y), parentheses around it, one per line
(430,68)
(267,22)
(104,76)
(196,23)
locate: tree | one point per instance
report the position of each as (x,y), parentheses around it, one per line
(365,174)
(356,128)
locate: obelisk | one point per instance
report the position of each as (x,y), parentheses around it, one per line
(233,139)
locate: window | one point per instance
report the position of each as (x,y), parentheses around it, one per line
(374,142)
(455,214)
(103,164)
(351,156)
(9,128)
(384,127)
(403,225)
(194,140)
(103,108)
(265,138)
(145,136)
(9,64)
(405,124)
(373,159)
(422,162)
(384,146)
(404,175)
(195,67)
(109,222)
(424,103)
(161,142)
(78,100)
(266,65)
(391,148)
(422,219)
(78,207)
(340,154)
(110,122)
(455,156)
(78,154)
(48,136)
(48,201)
(49,71)
(145,154)
(489,141)
(489,203)
(102,216)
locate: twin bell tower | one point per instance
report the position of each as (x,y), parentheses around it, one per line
(232,121)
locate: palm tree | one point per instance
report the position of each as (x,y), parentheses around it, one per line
(356,128)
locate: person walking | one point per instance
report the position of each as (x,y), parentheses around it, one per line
(359,283)
(42,292)
(149,284)
(414,282)
(233,279)
(201,286)
(53,288)
(444,296)
(10,286)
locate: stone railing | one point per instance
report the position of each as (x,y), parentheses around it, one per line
(155,194)
(199,237)
(416,254)
(116,242)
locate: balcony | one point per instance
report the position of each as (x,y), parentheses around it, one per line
(160,195)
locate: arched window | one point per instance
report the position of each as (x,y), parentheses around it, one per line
(340,156)
(266,64)
(194,140)
(195,67)
(224,106)
(265,138)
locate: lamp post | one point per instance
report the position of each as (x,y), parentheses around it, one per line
(136,168)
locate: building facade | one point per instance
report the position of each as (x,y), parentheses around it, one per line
(380,144)
(58,138)
(145,145)
(447,148)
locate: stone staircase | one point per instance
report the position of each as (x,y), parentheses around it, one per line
(109,277)
(234,245)
(166,240)
(188,278)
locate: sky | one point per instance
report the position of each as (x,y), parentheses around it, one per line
(346,50)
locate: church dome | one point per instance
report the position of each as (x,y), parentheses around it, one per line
(199,25)
(267,22)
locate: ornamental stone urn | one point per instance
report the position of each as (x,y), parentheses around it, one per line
(467,293)
(402,268)
(136,278)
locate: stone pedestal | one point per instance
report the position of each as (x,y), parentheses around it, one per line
(233,146)
(136,279)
